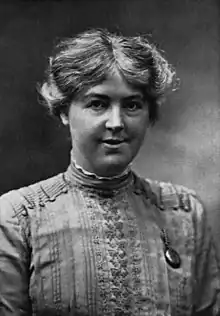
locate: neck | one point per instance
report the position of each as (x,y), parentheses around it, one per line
(76,175)
(100,177)
(93,174)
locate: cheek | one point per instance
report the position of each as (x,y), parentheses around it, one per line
(79,134)
(83,132)
(77,129)
(138,129)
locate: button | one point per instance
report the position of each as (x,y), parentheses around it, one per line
(24,213)
(138,191)
(52,198)
(64,190)
(161,207)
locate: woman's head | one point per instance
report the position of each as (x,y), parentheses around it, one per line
(87,59)
(107,89)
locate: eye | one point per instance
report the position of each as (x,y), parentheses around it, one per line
(133,105)
(98,105)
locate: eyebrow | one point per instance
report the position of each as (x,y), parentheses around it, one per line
(106,97)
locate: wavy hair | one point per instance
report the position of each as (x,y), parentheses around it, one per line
(86,59)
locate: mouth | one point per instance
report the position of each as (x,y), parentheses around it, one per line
(113,142)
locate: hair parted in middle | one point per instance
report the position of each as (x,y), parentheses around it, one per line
(88,58)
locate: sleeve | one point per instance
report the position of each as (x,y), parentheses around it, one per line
(14,263)
(207,268)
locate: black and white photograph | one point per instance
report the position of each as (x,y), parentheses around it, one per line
(109,158)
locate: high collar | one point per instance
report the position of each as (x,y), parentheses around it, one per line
(76,175)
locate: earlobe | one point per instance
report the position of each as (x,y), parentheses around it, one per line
(64,119)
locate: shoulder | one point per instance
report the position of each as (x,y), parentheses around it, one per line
(174,197)
(180,207)
(21,201)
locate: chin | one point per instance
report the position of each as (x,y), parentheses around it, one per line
(112,168)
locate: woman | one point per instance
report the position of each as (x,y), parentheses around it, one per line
(98,239)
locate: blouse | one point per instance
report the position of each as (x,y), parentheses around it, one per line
(77,245)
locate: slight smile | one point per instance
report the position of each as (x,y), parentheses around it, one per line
(113,142)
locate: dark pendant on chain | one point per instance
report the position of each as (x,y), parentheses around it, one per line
(172,257)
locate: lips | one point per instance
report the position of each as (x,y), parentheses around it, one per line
(113,141)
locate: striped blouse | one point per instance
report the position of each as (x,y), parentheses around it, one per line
(76,245)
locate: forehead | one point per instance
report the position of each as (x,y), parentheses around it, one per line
(114,86)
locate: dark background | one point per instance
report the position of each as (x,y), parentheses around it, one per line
(184,147)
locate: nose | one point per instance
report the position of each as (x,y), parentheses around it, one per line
(115,118)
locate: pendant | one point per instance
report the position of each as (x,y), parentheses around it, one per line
(172,258)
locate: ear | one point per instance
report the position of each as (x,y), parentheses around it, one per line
(64,119)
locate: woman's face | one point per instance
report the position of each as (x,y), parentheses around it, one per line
(107,125)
